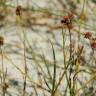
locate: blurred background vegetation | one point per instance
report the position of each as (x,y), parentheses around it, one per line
(40,55)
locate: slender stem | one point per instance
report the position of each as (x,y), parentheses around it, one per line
(70,65)
(54,74)
(3,77)
(24,88)
(70,44)
(64,55)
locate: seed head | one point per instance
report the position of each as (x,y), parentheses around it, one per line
(1,41)
(87,35)
(67,20)
(94,39)
(18,10)
(5,86)
(93,45)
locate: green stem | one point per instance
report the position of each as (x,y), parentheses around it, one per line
(25,64)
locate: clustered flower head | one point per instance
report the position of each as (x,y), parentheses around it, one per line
(68,20)
(93,43)
(88,35)
(18,10)
(1,41)
(5,87)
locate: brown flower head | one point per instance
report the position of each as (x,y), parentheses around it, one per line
(87,35)
(68,20)
(5,87)
(1,41)
(18,10)
(93,45)
(94,39)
